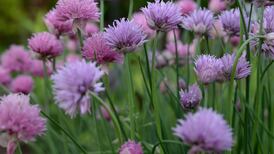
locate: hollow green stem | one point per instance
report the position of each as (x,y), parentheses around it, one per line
(177,66)
(80,38)
(102,9)
(130,9)
(265,70)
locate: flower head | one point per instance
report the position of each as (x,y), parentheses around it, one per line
(191,98)
(217,5)
(162,16)
(200,21)
(72,84)
(22,84)
(37,68)
(242,70)
(90,29)
(139,18)
(16,58)
(5,77)
(80,11)
(205,68)
(131,147)
(19,119)
(205,130)
(56,26)
(46,45)
(187,6)
(231,22)
(124,35)
(96,48)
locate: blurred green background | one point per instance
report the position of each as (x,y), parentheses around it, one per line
(20,18)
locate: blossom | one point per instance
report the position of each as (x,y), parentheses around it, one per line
(45,44)
(243,68)
(205,68)
(131,147)
(124,35)
(16,59)
(80,11)
(200,21)
(217,31)
(187,6)
(162,16)
(183,50)
(90,29)
(96,48)
(205,130)
(37,68)
(5,77)
(56,26)
(231,22)
(22,84)
(139,18)
(191,98)
(19,120)
(72,84)
(217,5)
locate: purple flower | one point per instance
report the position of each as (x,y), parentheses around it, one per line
(139,18)
(90,29)
(72,84)
(37,68)
(19,119)
(205,68)
(131,147)
(56,26)
(5,77)
(80,11)
(22,84)
(231,22)
(269,19)
(124,35)
(46,45)
(200,21)
(205,130)
(162,16)
(16,59)
(242,70)
(96,48)
(191,98)
(187,6)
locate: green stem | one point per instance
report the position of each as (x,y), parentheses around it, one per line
(102,6)
(165,141)
(265,70)
(64,131)
(147,64)
(45,71)
(130,97)
(113,117)
(130,9)
(177,66)
(19,148)
(80,38)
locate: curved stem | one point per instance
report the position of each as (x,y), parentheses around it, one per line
(64,131)
(265,70)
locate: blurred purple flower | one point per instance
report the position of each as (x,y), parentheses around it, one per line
(5,77)
(124,35)
(187,6)
(162,16)
(46,45)
(231,22)
(217,5)
(206,131)
(139,18)
(56,26)
(37,68)
(22,84)
(191,98)
(19,119)
(90,29)
(96,49)
(16,59)
(200,21)
(80,11)
(72,84)
(205,68)
(131,147)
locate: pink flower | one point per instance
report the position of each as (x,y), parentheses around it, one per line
(184,50)
(37,68)
(19,119)
(45,44)
(217,31)
(217,5)
(16,59)
(90,29)
(139,18)
(187,6)
(22,84)
(72,58)
(5,77)
(96,49)
(131,147)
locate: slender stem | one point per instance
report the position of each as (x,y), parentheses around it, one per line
(19,148)
(45,69)
(130,9)
(165,141)
(207,45)
(102,8)
(153,90)
(265,70)
(80,38)
(64,131)
(147,64)
(115,121)
(177,66)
